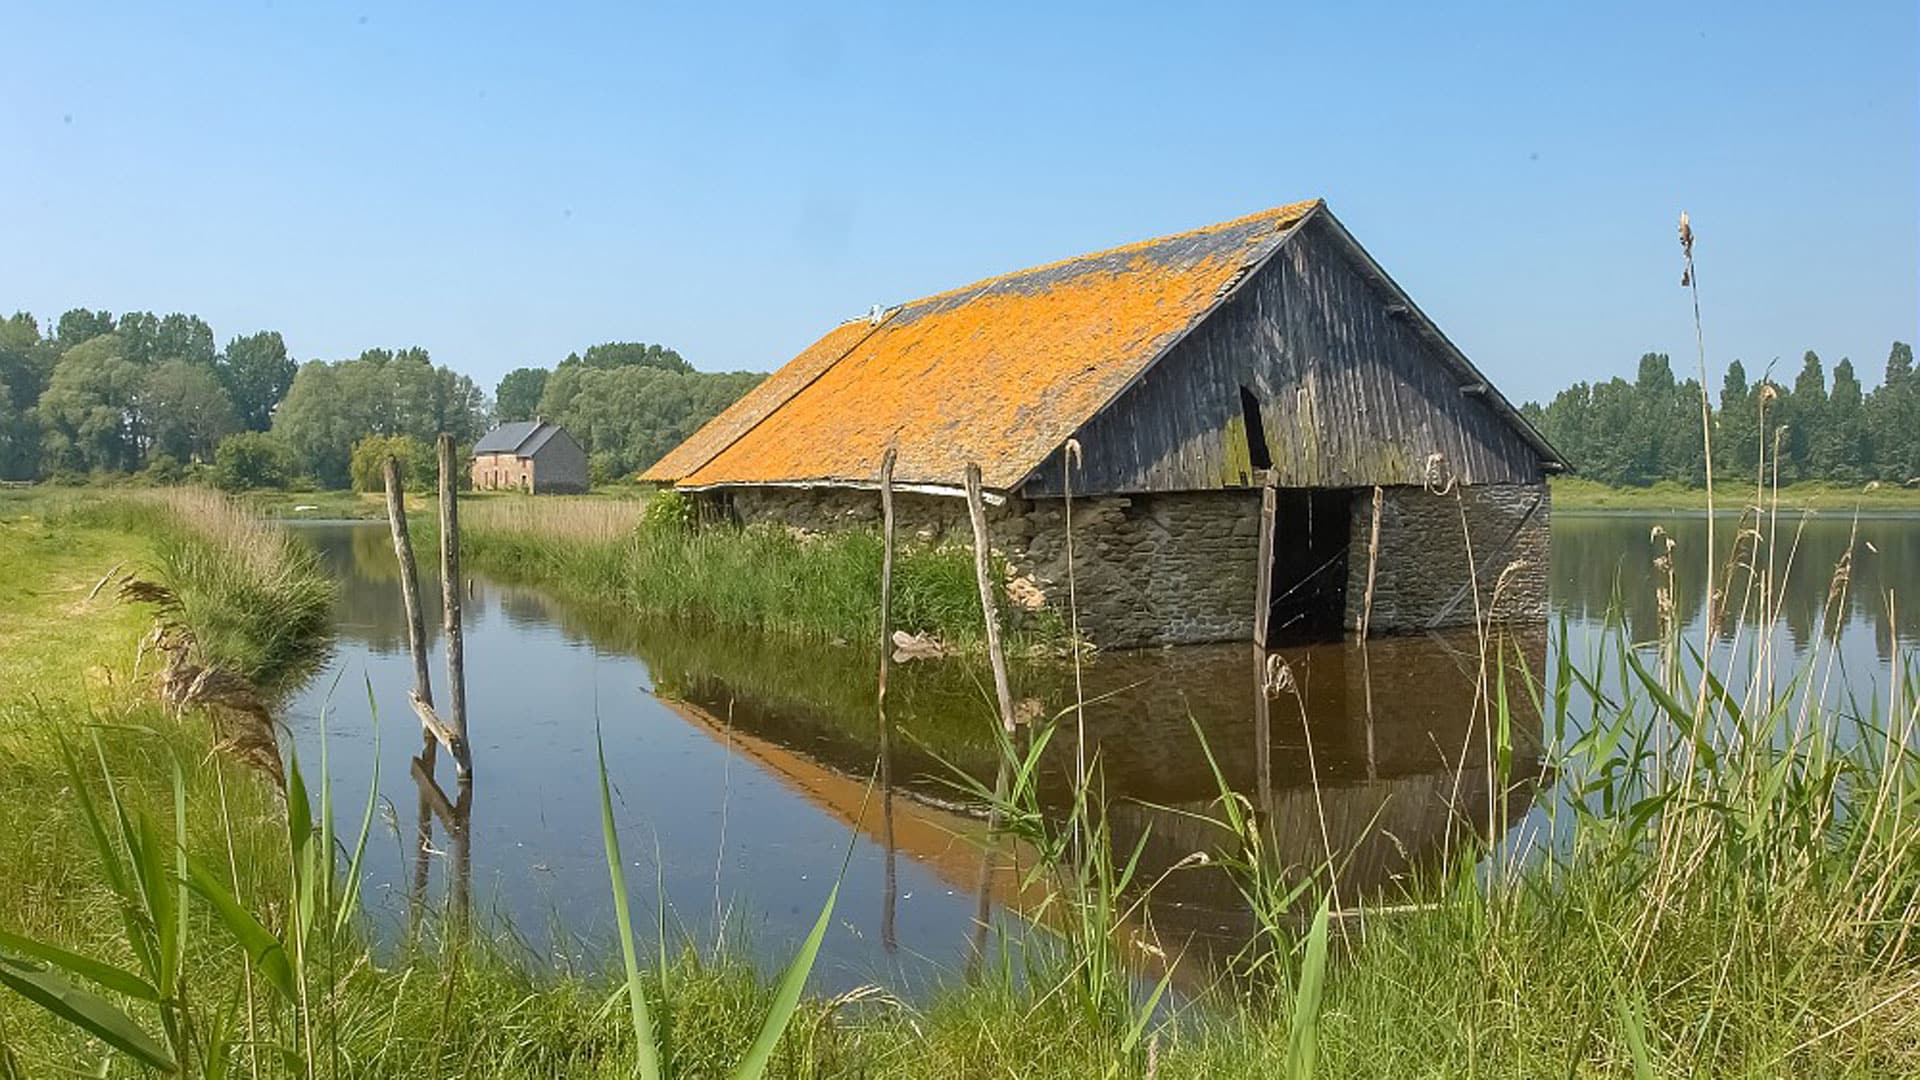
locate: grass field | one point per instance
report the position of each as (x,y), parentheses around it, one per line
(1573,493)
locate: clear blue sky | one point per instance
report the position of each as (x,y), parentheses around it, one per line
(503,184)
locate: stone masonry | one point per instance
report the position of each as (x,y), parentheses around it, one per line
(1181,568)
(1433,546)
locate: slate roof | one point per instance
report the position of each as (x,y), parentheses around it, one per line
(522,438)
(999,372)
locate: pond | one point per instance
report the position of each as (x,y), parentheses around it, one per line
(745,770)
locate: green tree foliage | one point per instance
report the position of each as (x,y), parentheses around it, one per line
(150,339)
(331,406)
(252,459)
(617,354)
(418,462)
(1893,417)
(256,371)
(26,362)
(1636,433)
(79,325)
(19,439)
(92,408)
(186,410)
(518,396)
(628,416)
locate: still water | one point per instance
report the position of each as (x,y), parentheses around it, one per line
(744,770)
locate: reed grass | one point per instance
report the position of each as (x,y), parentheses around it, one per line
(762,578)
(251,599)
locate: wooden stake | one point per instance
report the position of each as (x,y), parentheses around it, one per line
(410,596)
(456,720)
(890,896)
(983,570)
(886,574)
(1263,592)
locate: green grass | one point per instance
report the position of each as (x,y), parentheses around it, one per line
(760,578)
(1737,893)
(1574,493)
(58,642)
(252,599)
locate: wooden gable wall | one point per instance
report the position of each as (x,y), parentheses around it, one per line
(1351,393)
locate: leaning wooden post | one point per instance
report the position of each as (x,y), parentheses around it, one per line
(983,570)
(456,720)
(410,596)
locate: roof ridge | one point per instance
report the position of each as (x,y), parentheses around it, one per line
(1293,212)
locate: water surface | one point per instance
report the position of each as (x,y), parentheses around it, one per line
(745,769)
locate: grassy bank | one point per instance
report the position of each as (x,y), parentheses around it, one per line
(821,588)
(1573,493)
(1730,889)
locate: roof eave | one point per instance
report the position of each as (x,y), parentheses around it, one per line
(992,496)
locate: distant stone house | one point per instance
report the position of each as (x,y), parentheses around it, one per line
(1192,372)
(534,456)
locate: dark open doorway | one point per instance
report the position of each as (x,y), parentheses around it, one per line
(1257,454)
(1311,530)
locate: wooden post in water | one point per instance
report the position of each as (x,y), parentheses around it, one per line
(983,570)
(890,896)
(886,574)
(410,596)
(456,721)
(1262,618)
(1263,592)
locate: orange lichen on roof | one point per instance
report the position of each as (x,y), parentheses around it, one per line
(758,403)
(999,373)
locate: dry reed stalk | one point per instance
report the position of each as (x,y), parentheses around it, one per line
(1068,462)
(584,518)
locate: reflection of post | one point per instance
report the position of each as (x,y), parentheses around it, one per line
(456,817)
(982,564)
(890,897)
(983,905)
(450,598)
(1262,737)
(460,831)
(422,841)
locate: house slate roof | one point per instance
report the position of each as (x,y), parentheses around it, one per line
(521,438)
(999,372)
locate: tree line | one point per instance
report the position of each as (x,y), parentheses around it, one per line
(628,403)
(1814,428)
(155,397)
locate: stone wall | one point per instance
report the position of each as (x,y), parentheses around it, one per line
(1162,569)
(1158,569)
(502,472)
(1181,568)
(1424,566)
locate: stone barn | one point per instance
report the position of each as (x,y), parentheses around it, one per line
(534,456)
(1266,365)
